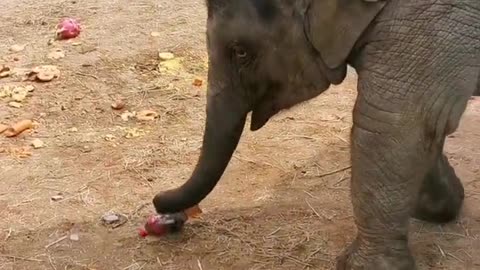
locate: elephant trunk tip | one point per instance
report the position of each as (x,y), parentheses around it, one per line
(171,201)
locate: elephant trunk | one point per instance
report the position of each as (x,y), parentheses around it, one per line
(226,116)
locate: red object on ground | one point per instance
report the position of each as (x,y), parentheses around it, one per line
(68,28)
(160,225)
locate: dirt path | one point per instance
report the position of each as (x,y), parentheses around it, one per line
(270,211)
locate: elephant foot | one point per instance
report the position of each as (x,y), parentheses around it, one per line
(441,195)
(392,256)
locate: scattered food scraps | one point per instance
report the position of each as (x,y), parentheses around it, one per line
(146,115)
(44,73)
(68,28)
(37,143)
(171,66)
(118,104)
(4,71)
(29,88)
(109,137)
(17,47)
(127,115)
(19,94)
(20,152)
(197,82)
(134,133)
(159,225)
(164,56)
(18,128)
(15,104)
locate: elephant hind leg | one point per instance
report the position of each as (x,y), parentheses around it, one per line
(441,195)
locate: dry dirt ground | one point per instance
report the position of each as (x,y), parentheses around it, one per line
(282,204)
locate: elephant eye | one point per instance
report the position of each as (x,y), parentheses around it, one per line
(240,52)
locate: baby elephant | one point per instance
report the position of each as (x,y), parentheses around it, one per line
(418,63)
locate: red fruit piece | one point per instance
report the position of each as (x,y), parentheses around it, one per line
(68,28)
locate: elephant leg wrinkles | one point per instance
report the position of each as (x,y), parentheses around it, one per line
(383,179)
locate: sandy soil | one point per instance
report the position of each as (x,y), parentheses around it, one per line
(271,210)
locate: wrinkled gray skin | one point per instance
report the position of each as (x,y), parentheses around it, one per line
(418,64)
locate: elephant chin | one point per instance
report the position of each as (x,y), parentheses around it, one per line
(259,119)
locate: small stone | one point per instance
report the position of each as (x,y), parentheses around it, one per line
(110,218)
(118,105)
(155,34)
(37,143)
(73,129)
(56,198)
(74,237)
(164,56)
(29,88)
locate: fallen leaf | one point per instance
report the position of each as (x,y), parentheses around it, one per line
(164,56)
(17,48)
(155,34)
(197,82)
(56,54)
(146,115)
(21,152)
(37,143)
(118,105)
(15,104)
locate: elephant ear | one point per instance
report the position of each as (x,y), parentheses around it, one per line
(334,26)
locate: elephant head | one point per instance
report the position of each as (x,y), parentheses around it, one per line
(265,56)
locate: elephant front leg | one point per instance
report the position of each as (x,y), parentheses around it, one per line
(388,167)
